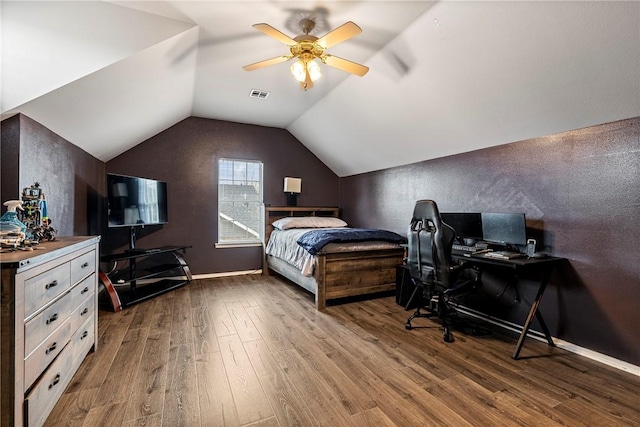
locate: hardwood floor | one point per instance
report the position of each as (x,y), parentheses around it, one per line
(252,350)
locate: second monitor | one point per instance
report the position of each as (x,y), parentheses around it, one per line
(504,228)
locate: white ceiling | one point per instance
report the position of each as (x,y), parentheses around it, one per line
(445,77)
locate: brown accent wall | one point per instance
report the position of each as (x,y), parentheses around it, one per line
(71,179)
(186,157)
(580,191)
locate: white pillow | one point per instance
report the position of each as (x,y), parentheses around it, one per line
(308,222)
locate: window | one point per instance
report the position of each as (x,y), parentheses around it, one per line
(239,201)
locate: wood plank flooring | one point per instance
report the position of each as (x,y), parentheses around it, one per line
(253,351)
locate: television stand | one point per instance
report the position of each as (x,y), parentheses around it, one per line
(150,272)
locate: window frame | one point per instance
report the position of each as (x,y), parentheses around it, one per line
(223,241)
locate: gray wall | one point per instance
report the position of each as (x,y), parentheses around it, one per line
(186,157)
(580,193)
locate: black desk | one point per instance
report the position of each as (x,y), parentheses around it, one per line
(544,266)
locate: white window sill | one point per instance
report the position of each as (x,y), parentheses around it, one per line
(237,245)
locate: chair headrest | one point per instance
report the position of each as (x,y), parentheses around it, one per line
(426,209)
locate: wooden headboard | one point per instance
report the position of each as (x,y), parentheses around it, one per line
(274,213)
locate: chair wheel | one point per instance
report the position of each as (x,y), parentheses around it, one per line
(408,326)
(447,335)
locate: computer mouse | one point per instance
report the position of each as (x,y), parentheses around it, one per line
(539,255)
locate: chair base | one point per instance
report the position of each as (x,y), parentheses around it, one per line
(446,336)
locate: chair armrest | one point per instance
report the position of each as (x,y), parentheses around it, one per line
(464,285)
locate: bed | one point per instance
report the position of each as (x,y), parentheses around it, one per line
(338,270)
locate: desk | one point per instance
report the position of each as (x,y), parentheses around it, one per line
(544,266)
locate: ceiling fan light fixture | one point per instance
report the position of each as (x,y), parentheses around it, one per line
(314,70)
(307,48)
(299,70)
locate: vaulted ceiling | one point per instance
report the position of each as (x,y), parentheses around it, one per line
(445,77)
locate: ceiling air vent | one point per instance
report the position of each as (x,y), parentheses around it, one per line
(260,94)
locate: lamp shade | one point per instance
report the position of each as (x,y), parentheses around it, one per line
(314,70)
(292,185)
(299,70)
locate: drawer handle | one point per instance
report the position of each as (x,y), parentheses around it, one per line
(85,290)
(85,311)
(55,381)
(51,285)
(84,335)
(52,318)
(85,265)
(52,348)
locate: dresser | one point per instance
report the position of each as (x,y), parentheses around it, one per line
(48,324)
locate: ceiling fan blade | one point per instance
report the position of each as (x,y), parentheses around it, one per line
(275,34)
(340,34)
(345,65)
(267,62)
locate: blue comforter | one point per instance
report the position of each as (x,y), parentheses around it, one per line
(314,240)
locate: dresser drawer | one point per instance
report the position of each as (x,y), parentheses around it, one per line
(39,403)
(37,361)
(80,291)
(82,266)
(47,321)
(82,312)
(82,341)
(43,288)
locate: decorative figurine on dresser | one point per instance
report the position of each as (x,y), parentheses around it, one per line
(34,215)
(25,223)
(48,323)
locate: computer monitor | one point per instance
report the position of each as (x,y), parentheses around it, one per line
(504,228)
(468,225)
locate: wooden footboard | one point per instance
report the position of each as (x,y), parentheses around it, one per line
(346,274)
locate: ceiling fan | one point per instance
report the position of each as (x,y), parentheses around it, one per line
(307,48)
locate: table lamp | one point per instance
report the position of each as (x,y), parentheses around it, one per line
(292,187)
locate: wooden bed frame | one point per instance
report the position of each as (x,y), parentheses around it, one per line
(340,274)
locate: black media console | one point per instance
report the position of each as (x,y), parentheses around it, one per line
(139,274)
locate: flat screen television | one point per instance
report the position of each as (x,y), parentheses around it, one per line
(135,201)
(504,228)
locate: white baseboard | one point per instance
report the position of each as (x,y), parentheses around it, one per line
(598,357)
(205,276)
(226,274)
(565,345)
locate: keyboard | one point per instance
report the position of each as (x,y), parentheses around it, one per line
(463,248)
